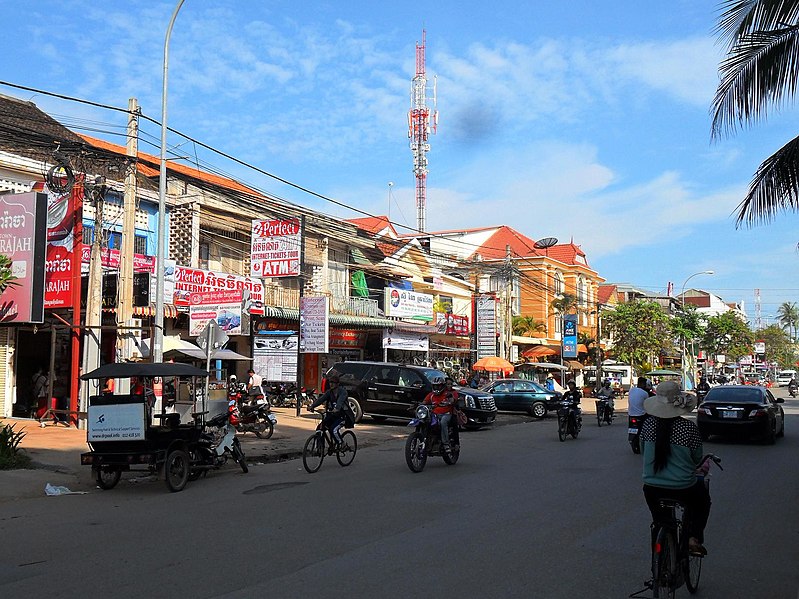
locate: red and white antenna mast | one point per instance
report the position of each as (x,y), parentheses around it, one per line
(421,123)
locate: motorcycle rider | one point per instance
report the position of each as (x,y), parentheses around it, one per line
(442,401)
(607,393)
(672,450)
(702,389)
(334,399)
(635,401)
(792,386)
(573,396)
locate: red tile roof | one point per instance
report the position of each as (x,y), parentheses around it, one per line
(373,224)
(567,253)
(604,293)
(152,171)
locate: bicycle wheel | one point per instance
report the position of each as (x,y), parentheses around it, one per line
(563,423)
(664,565)
(313,452)
(692,569)
(349,447)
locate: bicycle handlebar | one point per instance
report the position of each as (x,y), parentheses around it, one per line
(713,457)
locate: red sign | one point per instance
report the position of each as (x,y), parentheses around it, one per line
(23,234)
(61,243)
(214,298)
(110,259)
(452,324)
(195,280)
(347,338)
(275,248)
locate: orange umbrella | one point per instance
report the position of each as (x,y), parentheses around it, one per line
(538,351)
(493,364)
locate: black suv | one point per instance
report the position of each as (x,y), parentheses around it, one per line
(387,390)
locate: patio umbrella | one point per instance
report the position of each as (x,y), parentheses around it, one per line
(539,350)
(493,364)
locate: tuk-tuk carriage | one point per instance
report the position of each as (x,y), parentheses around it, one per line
(123,434)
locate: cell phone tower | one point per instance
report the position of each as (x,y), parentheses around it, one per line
(421,123)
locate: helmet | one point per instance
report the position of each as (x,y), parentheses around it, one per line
(232,378)
(333,376)
(438,383)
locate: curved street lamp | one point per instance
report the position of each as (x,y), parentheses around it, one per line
(682,302)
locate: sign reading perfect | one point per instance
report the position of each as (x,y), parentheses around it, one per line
(275,248)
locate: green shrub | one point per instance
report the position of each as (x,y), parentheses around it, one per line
(10,455)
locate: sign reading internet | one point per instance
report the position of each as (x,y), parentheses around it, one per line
(275,248)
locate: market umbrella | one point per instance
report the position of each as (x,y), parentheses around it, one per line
(538,351)
(493,364)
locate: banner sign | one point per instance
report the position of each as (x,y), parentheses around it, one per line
(23,239)
(340,338)
(451,324)
(110,259)
(404,303)
(405,340)
(186,281)
(224,307)
(275,248)
(486,325)
(569,336)
(117,422)
(274,357)
(61,244)
(314,325)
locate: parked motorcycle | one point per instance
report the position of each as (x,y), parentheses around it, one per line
(252,416)
(634,424)
(570,420)
(282,395)
(217,443)
(425,440)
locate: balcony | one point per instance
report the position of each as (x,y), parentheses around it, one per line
(282,297)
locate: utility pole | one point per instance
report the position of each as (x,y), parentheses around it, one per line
(94,296)
(125,288)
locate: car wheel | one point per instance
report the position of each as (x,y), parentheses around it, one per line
(782,427)
(356,409)
(538,410)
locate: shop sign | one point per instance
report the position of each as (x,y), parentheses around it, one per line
(195,280)
(275,248)
(224,307)
(760,347)
(314,324)
(452,324)
(405,340)
(61,244)
(569,336)
(486,325)
(341,338)
(23,239)
(403,303)
(275,357)
(110,259)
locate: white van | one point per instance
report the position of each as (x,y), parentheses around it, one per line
(784,377)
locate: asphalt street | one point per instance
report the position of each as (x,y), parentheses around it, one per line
(520,515)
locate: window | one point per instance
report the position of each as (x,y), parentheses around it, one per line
(205,254)
(140,246)
(558,283)
(409,378)
(523,386)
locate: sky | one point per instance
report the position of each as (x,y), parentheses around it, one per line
(588,121)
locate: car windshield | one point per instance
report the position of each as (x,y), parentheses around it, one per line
(735,395)
(430,373)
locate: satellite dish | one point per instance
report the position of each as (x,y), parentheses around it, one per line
(546,242)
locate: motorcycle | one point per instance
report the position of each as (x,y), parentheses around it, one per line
(570,420)
(425,440)
(604,413)
(217,442)
(792,391)
(250,413)
(634,424)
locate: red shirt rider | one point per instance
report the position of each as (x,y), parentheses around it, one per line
(441,401)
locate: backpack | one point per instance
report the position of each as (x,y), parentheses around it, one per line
(349,415)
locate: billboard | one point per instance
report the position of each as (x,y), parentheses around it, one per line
(404,303)
(275,248)
(222,306)
(61,244)
(23,239)
(486,325)
(569,336)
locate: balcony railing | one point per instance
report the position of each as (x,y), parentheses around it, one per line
(282,297)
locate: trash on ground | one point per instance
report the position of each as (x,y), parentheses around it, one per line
(53,490)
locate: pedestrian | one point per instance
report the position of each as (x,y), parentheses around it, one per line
(550,382)
(254,383)
(40,386)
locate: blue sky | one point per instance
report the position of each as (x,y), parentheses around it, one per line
(586,120)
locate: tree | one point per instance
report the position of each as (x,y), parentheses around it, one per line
(761,70)
(564,304)
(527,325)
(727,334)
(591,346)
(688,323)
(639,330)
(788,317)
(7,279)
(778,346)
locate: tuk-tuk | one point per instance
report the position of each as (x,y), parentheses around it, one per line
(123,434)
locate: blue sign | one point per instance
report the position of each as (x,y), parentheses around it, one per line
(570,336)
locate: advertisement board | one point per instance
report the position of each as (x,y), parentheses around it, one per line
(224,307)
(404,303)
(275,248)
(314,324)
(61,244)
(116,422)
(184,281)
(486,325)
(570,336)
(274,357)
(23,239)
(109,258)
(452,324)
(405,340)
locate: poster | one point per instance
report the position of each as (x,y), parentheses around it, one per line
(570,336)
(275,248)
(61,245)
(274,357)
(222,306)
(314,327)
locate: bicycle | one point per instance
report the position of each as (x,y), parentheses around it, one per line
(321,444)
(672,564)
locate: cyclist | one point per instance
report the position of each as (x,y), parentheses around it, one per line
(672,450)
(334,399)
(442,401)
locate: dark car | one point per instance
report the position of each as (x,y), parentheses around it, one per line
(521,395)
(388,390)
(741,410)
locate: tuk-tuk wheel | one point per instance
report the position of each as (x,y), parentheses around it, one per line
(107,478)
(176,470)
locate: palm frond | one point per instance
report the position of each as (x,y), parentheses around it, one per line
(739,18)
(761,69)
(774,188)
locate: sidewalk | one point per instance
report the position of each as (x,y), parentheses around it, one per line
(56,448)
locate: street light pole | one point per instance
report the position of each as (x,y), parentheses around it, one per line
(158,334)
(682,302)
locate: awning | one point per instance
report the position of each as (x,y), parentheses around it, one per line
(350,320)
(538,351)
(198,354)
(574,364)
(522,340)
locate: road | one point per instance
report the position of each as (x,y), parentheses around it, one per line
(521,515)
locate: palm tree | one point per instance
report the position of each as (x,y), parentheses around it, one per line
(761,70)
(788,317)
(526,325)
